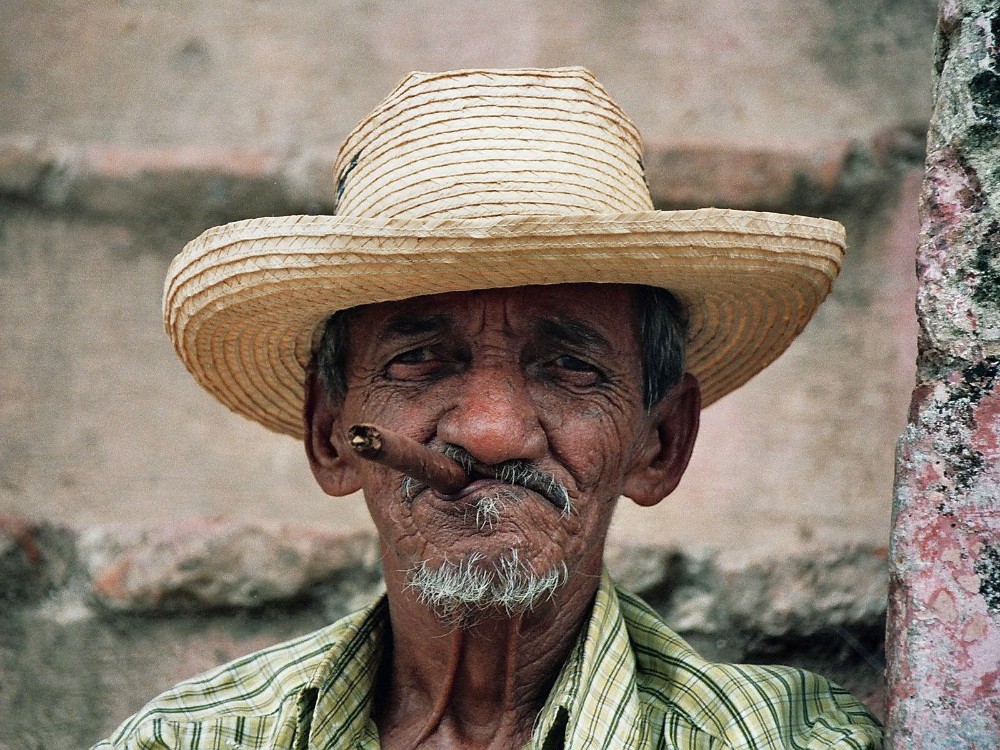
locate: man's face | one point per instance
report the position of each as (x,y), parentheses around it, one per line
(549,376)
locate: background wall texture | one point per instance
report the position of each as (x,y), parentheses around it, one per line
(128,127)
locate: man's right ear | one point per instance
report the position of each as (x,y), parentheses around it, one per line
(325,441)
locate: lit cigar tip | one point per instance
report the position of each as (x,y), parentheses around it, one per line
(365,439)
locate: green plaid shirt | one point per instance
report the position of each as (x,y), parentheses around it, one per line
(630,682)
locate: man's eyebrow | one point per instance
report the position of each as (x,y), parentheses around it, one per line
(573,332)
(407,326)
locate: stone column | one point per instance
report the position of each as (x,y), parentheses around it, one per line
(944,609)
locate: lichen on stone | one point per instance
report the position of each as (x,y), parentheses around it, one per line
(987,567)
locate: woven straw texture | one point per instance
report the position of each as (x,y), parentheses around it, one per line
(481,179)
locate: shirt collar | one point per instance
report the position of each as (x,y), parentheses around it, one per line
(595,695)
(335,707)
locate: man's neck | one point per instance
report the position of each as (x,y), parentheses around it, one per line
(477,685)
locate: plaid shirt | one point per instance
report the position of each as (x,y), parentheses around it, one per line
(629,682)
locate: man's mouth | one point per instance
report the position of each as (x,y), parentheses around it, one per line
(556,495)
(512,473)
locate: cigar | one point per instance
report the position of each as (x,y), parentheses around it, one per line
(407,456)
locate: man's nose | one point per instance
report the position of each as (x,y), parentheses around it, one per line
(494,417)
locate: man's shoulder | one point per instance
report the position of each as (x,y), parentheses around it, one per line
(249,702)
(739,705)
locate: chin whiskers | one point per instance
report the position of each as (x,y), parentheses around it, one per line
(490,508)
(456,592)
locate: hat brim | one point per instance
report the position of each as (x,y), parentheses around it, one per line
(243,302)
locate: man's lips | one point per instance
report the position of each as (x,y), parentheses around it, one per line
(483,476)
(483,486)
(469,489)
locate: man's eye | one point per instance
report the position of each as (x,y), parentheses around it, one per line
(418,364)
(574,371)
(569,362)
(414,356)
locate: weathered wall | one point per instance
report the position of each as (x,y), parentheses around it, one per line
(133,126)
(100,421)
(106,617)
(944,630)
(286,76)
(128,127)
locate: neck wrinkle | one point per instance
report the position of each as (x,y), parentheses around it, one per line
(523,655)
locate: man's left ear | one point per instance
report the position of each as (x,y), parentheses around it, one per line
(664,455)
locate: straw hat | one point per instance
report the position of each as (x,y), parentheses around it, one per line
(479,179)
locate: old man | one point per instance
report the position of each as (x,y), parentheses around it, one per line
(530,340)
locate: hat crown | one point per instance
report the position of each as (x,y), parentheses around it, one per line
(481,144)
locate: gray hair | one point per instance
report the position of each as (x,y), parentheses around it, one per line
(458,591)
(662,336)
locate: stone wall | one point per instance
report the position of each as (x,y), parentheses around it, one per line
(148,534)
(101,421)
(131,126)
(944,631)
(288,77)
(102,618)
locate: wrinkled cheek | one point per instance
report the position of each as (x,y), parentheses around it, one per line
(598,466)
(412,411)
(590,438)
(390,513)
